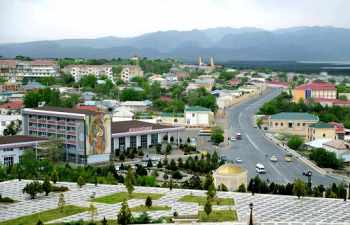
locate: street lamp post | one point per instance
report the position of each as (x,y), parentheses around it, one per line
(19,173)
(251,213)
(346,191)
(253,188)
(95,178)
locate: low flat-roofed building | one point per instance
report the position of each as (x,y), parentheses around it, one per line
(12,147)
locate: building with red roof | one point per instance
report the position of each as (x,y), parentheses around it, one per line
(12,105)
(339,129)
(166,99)
(234,81)
(316,89)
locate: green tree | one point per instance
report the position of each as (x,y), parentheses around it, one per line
(33,189)
(259,122)
(241,188)
(89,80)
(155,93)
(316,192)
(208,101)
(122,157)
(299,188)
(93,212)
(47,186)
(148,202)
(209,179)
(177,175)
(130,175)
(53,150)
(25,81)
(332,195)
(165,176)
(343,98)
(81,182)
(211,191)
(55,98)
(129,186)
(31,99)
(116,71)
(104,221)
(217,138)
(124,215)
(168,149)
(129,94)
(61,202)
(10,130)
(217,129)
(158,148)
(208,206)
(295,142)
(40,221)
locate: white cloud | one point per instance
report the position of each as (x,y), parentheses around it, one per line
(23,20)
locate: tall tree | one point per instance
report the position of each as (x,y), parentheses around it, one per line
(299,188)
(209,179)
(31,99)
(47,186)
(124,216)
(208,206)
(93,212)
(148,202)
(55,98)
(155,87)
(217,129)
(81,182)
(33,189)
(61,202)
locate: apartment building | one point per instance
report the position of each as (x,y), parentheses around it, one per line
(78,71)
(15,71)
(85,134)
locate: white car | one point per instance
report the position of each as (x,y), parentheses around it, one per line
(155,158)
(117,168)
(133,166)
(154,163)
(233,139)
(273,159)
(239,160)
(144,164)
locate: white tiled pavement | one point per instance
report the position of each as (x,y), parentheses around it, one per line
(268,209)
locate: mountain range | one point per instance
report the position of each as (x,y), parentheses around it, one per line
(225,43)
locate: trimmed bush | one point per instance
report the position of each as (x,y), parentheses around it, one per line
(6,199)
(62,188)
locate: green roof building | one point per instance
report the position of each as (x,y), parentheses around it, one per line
(198,115)
(320,130)
(291,122)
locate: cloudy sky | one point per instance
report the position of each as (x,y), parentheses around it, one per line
(31,20)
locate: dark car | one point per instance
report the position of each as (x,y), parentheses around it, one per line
(230,160)
(265,128)
(306,173)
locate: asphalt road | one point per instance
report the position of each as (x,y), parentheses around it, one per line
(253,146)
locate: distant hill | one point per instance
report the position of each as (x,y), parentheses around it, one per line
(225,43)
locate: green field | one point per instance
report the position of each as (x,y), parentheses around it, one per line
(118,197)
(201,200)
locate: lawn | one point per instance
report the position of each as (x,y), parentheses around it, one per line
(220,216)
(118,197)
(201,200)
(46,216)
(153,208)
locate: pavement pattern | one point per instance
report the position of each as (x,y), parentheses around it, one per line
(268,209)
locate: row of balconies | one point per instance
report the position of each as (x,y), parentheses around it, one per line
(52,122)
(43,129)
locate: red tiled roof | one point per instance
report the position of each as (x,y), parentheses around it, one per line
(243,71)
(337,125)
(2,84)
(166,99)
(16,62)
(12,105)
(234,80)
(103,66)
(317,86)
(266,117)
(86,107)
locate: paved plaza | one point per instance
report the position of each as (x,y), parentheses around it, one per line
(268,209)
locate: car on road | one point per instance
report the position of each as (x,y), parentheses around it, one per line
(133,166)
(273,158)
(306,173)
(265,128)
(223,158)
(289,154)
(204,153)
(145,159)
(288,159)
(239,160)
(155,158)
(230,160)
(233,138)
(255,126)
(238,136)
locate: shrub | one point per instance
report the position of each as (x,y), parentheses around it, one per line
(6,199)
(57,188)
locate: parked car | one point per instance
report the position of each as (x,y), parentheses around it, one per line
(289,154)
(288,159)
(133,166)
(239,160)
(145,159)
(208,140)
(154,163)
(233,138)
(273,159)
(230,160)
(223,158)
(265,128)
(144,164)
(117,168)
(155,158)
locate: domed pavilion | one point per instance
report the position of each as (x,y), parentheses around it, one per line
(231,176)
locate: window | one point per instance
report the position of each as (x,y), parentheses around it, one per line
(276,124)
(42,117)
(32,132)
(132,142)
(60,119)
(71,128)
(42,125)
(61,136)
(324,135)
(70,137)
(51,126)
(70,120)
(303,124)
(8,161)
(122,143)
(71,146)
(3,123)
(192,114)
(298,124)
(144,141)
(32,116)
(281,124)
(43,134)
(314,131)
(61,128)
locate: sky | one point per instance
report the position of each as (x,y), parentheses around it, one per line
(33,20)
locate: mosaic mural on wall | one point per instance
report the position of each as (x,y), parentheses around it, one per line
(98,134)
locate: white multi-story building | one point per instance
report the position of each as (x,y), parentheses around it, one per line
(78,71)
(15,70)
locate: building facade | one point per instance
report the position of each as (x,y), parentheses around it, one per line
(15,71)
(296,123)
(85,134)
(78,71)
(316,89)
(198,115)
(320,130)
